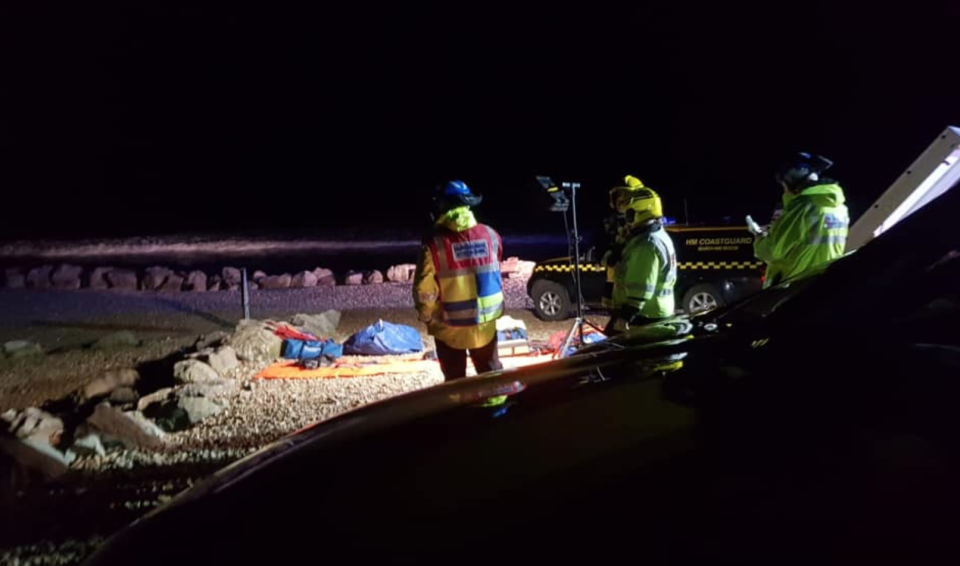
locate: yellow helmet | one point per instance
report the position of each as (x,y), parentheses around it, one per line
(644,205)
(620,196)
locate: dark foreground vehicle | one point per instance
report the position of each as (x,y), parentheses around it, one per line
(815,422)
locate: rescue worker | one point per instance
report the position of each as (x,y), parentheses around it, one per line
(645,276)
(616,231)
(457,288)
(813,226)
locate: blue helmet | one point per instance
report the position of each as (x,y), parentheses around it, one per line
(803,170)
(453,194)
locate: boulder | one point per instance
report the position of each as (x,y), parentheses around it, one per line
(121,339)
(212,339)
(372,277)
(258,275)
(323,325)
(182,412)
(320,273)
(231,276)
(196,281)
(124,396)
(402,273)
(14,278)
(276,282)
(304,279)
(255,342)
(509,265)
(98,278)
(223,360)
(22,349)
(66,277)
(214,283)
(39,277)
(327,281)
(144,403)
(212,389)
(110,381)
(36,425)
(36,456)
(353,278)
(173,284)
(88,445)
(155,277)
(124,279)
(130,428)
(192,371)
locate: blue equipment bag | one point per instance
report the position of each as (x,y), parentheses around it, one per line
(384,338)
(310,349)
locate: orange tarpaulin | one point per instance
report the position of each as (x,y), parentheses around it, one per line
(292,369)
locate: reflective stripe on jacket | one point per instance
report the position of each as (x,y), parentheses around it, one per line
(645,277)
(812,230)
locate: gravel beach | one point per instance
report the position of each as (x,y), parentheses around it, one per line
(122,484)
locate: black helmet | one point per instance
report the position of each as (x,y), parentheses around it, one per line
(453,194)
(802,170)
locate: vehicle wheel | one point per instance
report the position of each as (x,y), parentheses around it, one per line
(702,297)
(551,301)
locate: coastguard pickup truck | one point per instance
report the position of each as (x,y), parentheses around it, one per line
(715,267)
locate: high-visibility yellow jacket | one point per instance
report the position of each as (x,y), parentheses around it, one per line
(644,278)
(457,288)
(812,230)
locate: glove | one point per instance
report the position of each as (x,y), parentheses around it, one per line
(753,227)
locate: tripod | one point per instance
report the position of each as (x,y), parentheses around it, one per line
(573,236)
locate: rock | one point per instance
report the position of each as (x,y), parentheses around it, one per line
(124,279)
(191,371)
(66,277)
(88,445)
(214,283)
(98,278)
(155,277)
(173,284)
(258,275)
(130,428)
(525,269)
(323,325)
(14,278)
(327,281)
(22,349)
(196,281)
(353,278)
(36,456)
(233,287)
(320,273)
(39,277)
(212,389)
(223,360)
(124,396)
(304,279)
(156,397)
(276,282)
(231,276)
(181,413)
(372,277)
(402,273)
(254,342)
(212,339)
(509,265)
(37,425)
(121,339)
(109,382)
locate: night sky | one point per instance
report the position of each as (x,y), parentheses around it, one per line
(153,119)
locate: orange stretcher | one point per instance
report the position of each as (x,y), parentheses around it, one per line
(360,368)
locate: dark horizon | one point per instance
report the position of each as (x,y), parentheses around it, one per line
(160,120)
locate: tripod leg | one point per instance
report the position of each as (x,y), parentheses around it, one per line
(577,324)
